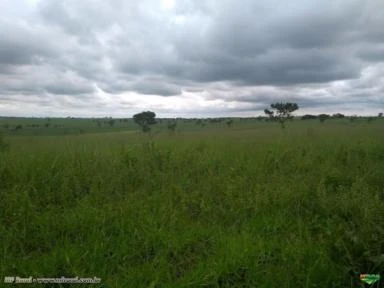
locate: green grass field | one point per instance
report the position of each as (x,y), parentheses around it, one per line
(249,205)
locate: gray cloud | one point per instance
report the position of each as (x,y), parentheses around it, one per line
(316,53)
(68,89)
(21,46)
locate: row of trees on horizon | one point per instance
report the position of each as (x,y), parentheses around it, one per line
(279,112)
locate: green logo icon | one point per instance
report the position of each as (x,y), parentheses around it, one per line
(370,278)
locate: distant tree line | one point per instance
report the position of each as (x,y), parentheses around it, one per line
(323,117)
(279,112)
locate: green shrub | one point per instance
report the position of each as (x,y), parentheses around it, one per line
(3,145)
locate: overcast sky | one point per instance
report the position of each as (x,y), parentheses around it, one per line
(190,58)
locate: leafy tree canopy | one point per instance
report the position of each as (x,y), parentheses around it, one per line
(281,112)
(145,119)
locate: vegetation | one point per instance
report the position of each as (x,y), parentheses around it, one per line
(338,115)
(145,120)
(281,112)
(3,144)
(172,126)
(308,117)
(323,117)
(208,207)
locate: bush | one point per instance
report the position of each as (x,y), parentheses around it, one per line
(172,126)
(308,117)
(3,145)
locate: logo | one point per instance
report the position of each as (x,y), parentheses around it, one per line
(9,279)
(370,278)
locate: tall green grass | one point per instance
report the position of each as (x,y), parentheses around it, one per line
(236,207)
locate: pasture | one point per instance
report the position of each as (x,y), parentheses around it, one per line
(250,205)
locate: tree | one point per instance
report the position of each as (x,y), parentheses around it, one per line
(380,115)
(308,117)
(111,122)
(3,144)
(144,120)
(281,112)
(353,118)
(172,126)
(229,122)
(323,117)
(268,112)
(338,115)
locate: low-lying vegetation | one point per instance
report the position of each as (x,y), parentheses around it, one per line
(255,206)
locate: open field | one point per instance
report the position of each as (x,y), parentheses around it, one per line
(249,205)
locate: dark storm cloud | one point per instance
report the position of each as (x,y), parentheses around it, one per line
(296,48)
(372,53)
(272,44)
(278,67)
(146,85)
(146,88)
(68,89)
(298,44)
(20,46)
(156,88)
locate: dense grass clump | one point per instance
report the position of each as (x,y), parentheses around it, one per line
(250,207)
